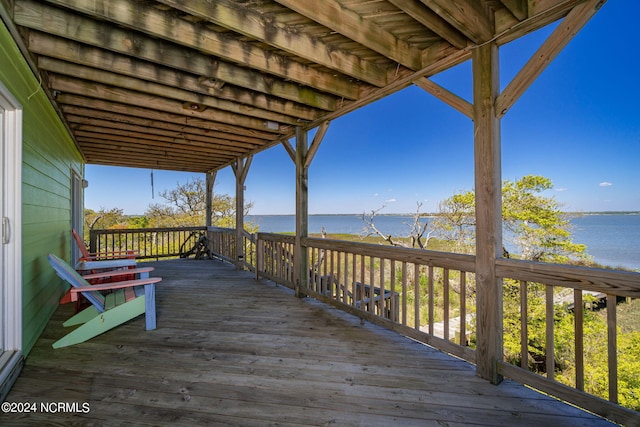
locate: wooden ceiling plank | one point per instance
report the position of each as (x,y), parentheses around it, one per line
(70,51)
(84,30)
(552,46)
(75,71)
(163,24)
(466,16)
(451,99)
(93,144)
(208,125)
(518,8)
(124,96)
(108,144)
(99,126)
(432,21)
(331,14)
(132,162)
(93,117)
(137,161)
(545,12)
(246,21)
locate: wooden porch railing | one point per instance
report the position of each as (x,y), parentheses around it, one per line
(147,242)
(430,296)
(552,279)
(426,295)
(222,242)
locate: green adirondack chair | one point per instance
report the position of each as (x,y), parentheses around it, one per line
(127,300)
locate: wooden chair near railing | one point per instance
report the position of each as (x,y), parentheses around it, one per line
(85,255)
(91,263)
(126,300)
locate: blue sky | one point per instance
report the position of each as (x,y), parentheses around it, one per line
(578,124)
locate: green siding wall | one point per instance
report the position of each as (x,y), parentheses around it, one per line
(48,156)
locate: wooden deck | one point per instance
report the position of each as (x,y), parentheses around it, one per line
(233,351)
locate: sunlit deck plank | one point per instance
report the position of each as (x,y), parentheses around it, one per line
(232,351)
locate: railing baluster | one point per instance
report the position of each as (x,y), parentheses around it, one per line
(354,295)
(404,293)
(578,309)
(392,301)
(463,308)
(416,297)
(381,303)
(344,287)
(445,290)
(550,365)
(432,297)
(524,325)
(612,338)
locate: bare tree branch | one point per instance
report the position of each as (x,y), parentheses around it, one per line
(417,229)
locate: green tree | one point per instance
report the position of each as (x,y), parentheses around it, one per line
(456,221)
(104,219)
(186,206)
(539,229)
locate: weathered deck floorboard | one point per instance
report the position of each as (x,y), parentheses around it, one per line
(233,351)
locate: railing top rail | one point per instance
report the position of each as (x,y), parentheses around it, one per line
(622,283)
(146,230)
(460,262)
(275,237)
(221,229)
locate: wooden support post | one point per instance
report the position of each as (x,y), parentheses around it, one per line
(488,189)
(302,212)
(210,180)
(302,157)
(240,169)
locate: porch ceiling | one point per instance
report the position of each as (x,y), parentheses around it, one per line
(194,85)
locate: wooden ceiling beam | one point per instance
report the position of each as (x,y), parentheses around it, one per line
(66,70)
(136,162)
(552,46)
(125,96)
(518,8)
(106,139)
(137,112)
(545,13)
(68,25)
(244,20)
(332,14)
(73,52)
(432,21)
(84,116)
(467,16)
(166,25)
(453,100)
(101,126)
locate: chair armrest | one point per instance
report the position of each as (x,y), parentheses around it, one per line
(112,286)
(114,273)
(94,256)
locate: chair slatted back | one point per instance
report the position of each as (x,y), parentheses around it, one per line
(83,248)
(68,274)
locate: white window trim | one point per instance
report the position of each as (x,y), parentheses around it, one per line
(12,167)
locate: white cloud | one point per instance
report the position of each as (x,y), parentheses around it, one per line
(606,184)
(561,189)
(375,194)
(391,200)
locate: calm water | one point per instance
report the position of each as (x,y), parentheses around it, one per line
(612,240)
